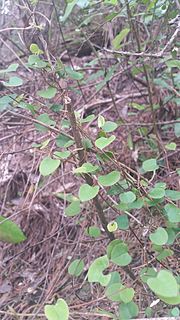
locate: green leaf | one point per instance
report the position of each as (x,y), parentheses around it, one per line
(68,10)
(109,179)
(87,192)
(48,93)
(173,63)
(112,245)
(112,226)
(115,278)
(58,311)
(164,284)
(44,117)
(173,195)
(62,154)
(35,49)
(74,74)
(119,38)
(94,232)
(127,197)
(122,222)
(101,121)
(171,146)
(11,68)
(10,232)
(128,311)
(73,208)
(95,272)
(159,237)
(173,212)
(48,166)
(172,300)
(76,267)
(89,118)
(150,165)
(120,256)
(13,82)
(35,62)
(103,142)
(86,168)
(64,141)
(177,129)
(157,193)
(109,126)
(175,312)
(118,292)
(147,273)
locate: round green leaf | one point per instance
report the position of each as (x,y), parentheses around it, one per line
(109,126)
(157,193)
(171,146)
(111,246)
(10,232)
(87,192)
(164,284)
(58,311)
(173,213)
(175,312)
(127,197)
(118,292)
(109,179)
(123,222)
(48,93)
(173,195)
(73,209)
(48,166)
(94,232)
(159,237)
(128,311)
(95,272)
(150,165)
(120,256)
(112,226)
(35,49)
(103,142)
(76,267)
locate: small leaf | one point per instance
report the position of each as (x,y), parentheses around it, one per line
(173,212)
(35,49)
(117,292)
(94,232)
(74,74)
(48,166)
(127,197)
(62,154)
(103,142)
(177,129)
(48,93)
(123,222)
(112,245)
(58,311)
(10,232)
(86,168)
(128,311)
(164,284)
(87,192)
(157,193)
(120,256)
(76,267)
(44,117)
(11,68)
(73,208)
(171,146)
(109,126)
(150,165)
(112,226)
(101,121)
(109,179)
(64,141)
(95,272)
(13,82)
(173,195)
(159,237)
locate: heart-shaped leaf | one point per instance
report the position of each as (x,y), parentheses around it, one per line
(173,212)
(127,197)
(159,237)
(95,272)
(86,168)
(73,209)
(58,311)
(118,292)
(14,82)
(87,192)
(109,179)
(120,256)
(109,126)
(150,165)
(164,284)
(157,193)
(48,93)
(10,232)
(103,142)
(76,267)
(48,166)
(128,311)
